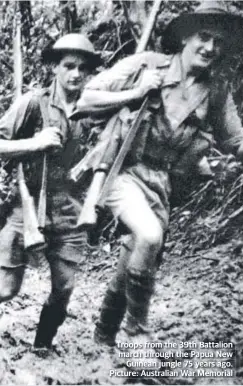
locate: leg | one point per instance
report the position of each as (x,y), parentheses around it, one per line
(148,238)
(11,279)
(113,307)
(12,258)
(128,202)
(54,310)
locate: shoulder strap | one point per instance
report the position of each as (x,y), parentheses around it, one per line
(43,106)
(43,191)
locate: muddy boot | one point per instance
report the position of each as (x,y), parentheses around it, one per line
(52,316)
(114,304)
(139,288)
(112,312)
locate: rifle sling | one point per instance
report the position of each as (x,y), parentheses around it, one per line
(42,198)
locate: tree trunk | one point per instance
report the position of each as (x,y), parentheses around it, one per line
(26,20)
(69,12)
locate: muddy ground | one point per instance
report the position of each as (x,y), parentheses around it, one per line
(197,299)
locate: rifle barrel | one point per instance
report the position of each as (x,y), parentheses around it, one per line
(149,27)
(116,167)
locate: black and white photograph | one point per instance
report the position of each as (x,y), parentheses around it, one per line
(121,192)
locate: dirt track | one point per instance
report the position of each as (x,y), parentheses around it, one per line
(197,299)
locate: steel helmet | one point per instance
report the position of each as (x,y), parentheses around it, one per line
(73,42)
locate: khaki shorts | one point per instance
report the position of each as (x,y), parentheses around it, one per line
(64,240)
(139,183)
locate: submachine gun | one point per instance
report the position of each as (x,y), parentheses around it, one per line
(106,171)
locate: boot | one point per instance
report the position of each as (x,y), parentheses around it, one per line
(114,304)
(52,316)
(112,312)
(139,288)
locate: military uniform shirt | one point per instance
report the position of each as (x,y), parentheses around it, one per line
(23,120)
(162,139)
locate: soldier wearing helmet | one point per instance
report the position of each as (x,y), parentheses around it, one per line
(22,135)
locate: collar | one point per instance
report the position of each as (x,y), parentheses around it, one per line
(55,99)
(174,73)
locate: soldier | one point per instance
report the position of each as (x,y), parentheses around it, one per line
(188,117)
(73,58)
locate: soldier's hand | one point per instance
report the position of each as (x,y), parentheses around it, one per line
(49,137)
(151,80)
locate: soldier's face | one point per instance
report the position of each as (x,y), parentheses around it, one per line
(204,47)
(71,72)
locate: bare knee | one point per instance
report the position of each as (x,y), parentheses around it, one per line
(10,282)
(62,289)
(67,288)
(151,237)
(7,294)
(63,280)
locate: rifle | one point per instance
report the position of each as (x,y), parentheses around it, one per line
(43,191)
(94,157)
(101,184)
(33,238)
(103,162)
(116,167)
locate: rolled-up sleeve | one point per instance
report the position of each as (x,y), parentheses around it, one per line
(116,78)
(231,131)
(14,119)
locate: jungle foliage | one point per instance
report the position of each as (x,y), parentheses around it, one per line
(114,27)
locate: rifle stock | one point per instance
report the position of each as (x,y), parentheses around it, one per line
(33,238)
(88,215)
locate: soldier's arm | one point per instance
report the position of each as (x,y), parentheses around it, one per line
(11,124)
(44,140)
(108,88)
